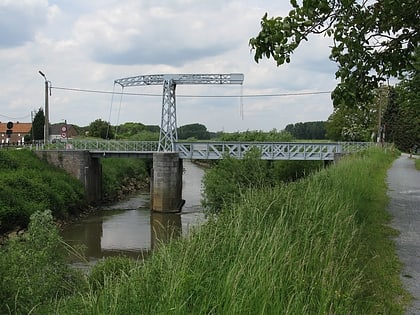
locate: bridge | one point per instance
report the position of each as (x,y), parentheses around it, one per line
(214,150)
(81,158)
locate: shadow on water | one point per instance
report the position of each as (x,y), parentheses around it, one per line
(131,229)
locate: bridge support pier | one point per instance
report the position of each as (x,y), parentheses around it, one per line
(166,182)
(80,165)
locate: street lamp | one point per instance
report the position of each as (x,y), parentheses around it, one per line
(47,119)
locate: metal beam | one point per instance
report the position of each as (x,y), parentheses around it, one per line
(168,127)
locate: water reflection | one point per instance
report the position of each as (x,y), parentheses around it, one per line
(164,227)
(130,228)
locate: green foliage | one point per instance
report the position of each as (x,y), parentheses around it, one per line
(354,123)
(101,129)
(145,135)
(317,246)
(28,184)
(129,129)
(257,136)
(307,130)
(109,270)
(37,131)
(225,182)
(33,269)
(196,131)
(117,172)
(402,117)
(417,164)
(373,40)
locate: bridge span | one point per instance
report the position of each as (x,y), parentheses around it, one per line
(81,158)
(215,150)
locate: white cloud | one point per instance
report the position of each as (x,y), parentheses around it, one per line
(20,20)
(89,44)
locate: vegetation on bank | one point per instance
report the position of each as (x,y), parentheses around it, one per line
(122,176)
(320,245)
(29,184)
(228,178)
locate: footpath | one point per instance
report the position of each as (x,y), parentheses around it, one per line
(404,192)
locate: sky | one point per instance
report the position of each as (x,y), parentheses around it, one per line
(86,45)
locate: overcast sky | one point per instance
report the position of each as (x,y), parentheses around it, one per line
(86,45)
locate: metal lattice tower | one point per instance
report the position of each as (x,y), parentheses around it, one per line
(168,127)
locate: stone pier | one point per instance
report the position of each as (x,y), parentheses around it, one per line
(166,182)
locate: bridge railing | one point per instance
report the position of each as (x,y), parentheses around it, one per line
(108,145)
(269,151)
(218,150)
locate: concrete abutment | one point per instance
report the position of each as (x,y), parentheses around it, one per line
(165,184)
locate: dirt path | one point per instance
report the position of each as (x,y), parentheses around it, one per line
(404,191)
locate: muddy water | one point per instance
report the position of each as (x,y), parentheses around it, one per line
(130,228)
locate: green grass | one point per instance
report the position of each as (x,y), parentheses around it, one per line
(318,246)
(28,184)
(417,164)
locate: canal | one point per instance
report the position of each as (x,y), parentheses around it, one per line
(130,228)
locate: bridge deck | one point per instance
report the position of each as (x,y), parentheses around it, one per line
(217,150)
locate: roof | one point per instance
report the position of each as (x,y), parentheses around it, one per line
(18,127)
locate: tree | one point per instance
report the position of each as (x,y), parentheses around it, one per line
(402,116)
(129,129)
(197,131)
(101,129)
(307,130)
(37,131)
(373,40)
(351,124)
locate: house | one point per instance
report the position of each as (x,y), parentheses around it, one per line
(62,131)
(14,132)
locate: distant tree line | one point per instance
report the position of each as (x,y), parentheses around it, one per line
(311,130)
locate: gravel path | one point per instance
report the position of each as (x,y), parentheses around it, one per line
(404,193)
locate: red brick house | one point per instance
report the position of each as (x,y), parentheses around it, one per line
(16,134)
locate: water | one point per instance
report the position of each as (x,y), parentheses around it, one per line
(129,227)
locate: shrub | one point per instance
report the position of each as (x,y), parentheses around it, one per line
(33,269)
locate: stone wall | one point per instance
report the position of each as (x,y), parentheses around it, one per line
(80,165)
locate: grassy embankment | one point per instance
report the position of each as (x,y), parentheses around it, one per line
(317,246)
(417,163)
(28,184)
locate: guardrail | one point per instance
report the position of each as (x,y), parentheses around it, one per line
(217,150)
(269,151)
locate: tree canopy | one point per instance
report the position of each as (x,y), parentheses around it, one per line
(402,115)
(37,131)
(307,130)
(197,131)
(373,40)
(101,129)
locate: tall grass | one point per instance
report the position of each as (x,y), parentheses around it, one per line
(317,246)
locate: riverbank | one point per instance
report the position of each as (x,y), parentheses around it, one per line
(29,184)
(317,246)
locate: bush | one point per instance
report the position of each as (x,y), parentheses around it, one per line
(33,269)
(230,177)
(28,184)
(116,172)
(108,270)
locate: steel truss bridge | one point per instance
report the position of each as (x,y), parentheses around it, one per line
(324,151)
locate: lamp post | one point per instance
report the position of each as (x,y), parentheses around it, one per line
(47,119)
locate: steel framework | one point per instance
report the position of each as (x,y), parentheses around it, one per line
(168,126)
(217,150)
